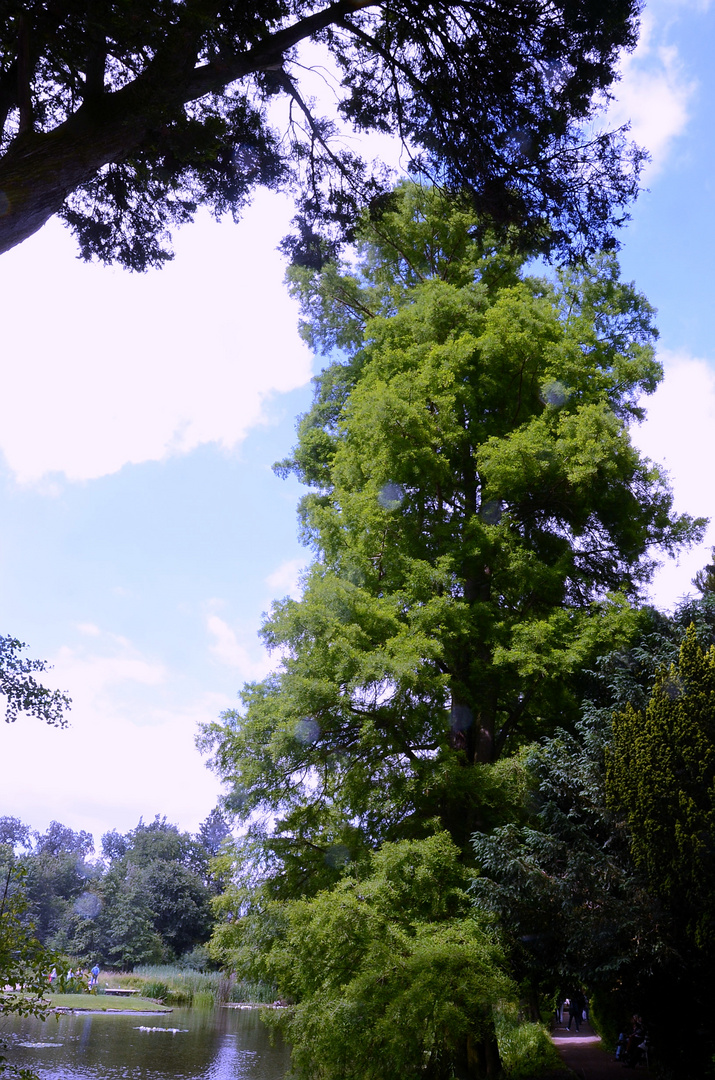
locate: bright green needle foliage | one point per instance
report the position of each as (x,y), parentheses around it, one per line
(480,521)
(393,974)
(661,772)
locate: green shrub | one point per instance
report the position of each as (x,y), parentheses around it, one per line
(196,960)
(608,1014)
(526,1050)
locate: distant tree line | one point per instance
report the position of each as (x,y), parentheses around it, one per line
(146,898)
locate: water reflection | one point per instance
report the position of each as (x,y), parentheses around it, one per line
(186,1044)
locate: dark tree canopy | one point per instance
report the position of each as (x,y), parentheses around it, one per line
(123,118)
(23,960)
(608,883)
(14,833)
(661,775)
(60,840)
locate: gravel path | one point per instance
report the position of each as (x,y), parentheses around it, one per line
(584,1054)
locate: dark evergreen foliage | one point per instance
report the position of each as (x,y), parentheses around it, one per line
(661,780)
(125,117)
(609,881)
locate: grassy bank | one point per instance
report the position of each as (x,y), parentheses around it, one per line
(105,1003)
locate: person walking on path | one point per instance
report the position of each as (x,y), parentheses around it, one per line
(576,1008)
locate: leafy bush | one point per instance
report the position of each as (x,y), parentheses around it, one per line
(196,960)
(395,968)
(525,1048)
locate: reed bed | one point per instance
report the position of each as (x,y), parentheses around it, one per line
(174,985)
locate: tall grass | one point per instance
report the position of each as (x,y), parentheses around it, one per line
(201,989)
(258,993)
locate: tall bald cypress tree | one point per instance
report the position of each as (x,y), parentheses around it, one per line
(479,519)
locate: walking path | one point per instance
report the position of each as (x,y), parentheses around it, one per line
(583,1052)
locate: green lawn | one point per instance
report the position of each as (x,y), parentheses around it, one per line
(104,1002)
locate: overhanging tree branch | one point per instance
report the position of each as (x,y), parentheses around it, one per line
(170,94)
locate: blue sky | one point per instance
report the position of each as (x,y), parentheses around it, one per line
(143,532)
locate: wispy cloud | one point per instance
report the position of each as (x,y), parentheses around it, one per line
(129,751)
(232,648)
(92,673)
(285,579)
(654,93)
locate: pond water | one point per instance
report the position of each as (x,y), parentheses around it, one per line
(186,1044)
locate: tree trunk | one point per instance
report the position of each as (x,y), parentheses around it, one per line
(474,709)
(534,1001)
(480,1059)
(40,169)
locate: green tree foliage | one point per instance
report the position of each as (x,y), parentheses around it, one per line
(57,871)
(160,841)
(14,833)
(661,772)
(572,906)
(155,905)
(24,963)
(22,692)
(704,580)
(124,920)
(480,520)
(147,901)
(661,782)
(626,675)
(124,118)
(23,960)
(391,971)
(213,832)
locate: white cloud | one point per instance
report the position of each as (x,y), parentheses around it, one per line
(96,674)
(679,433)
(129,752)
(285,579)
(126,368)
(654,94)
(232,649)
